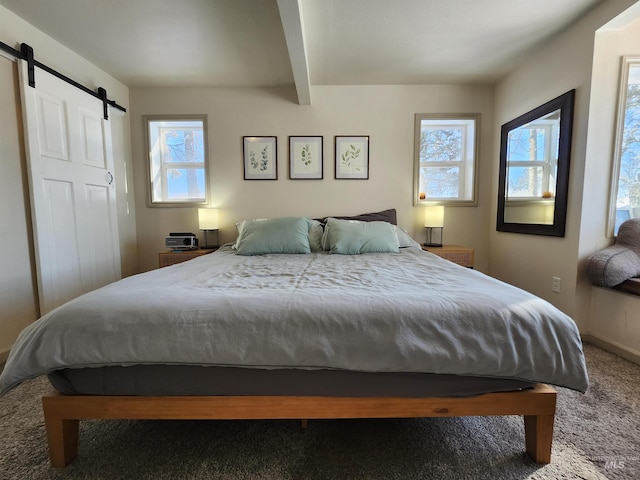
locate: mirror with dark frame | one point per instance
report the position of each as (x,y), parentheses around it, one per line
(535,149)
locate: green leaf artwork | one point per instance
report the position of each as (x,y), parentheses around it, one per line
(350,155)
(260,164)
(264,163)
(305,155)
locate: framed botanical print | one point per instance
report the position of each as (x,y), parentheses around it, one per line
(260,158)
(352,157)
(305,158)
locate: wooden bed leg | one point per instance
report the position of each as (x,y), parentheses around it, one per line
(304,423)
(538,432)
(62,436)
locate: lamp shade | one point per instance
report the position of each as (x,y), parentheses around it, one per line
(208,218)
(434,216)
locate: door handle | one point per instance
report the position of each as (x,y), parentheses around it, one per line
(109,178)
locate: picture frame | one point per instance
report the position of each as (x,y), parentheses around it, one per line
(260,157)
(352,157)
(305,157)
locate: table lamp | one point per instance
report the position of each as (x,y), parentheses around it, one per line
(434,223)
(208,221)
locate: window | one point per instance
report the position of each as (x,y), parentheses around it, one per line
(177,159)
(625,203)
(445,159)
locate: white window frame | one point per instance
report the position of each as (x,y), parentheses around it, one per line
(157,168)
(469,125)
(549,163)
(626,63)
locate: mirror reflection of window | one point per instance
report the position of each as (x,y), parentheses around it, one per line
(533,179)
(532,159)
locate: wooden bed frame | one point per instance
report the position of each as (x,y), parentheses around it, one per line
(62,413)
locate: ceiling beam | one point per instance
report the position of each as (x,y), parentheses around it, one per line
(291,17)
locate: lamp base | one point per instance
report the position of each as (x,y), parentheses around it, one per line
(206,245)
(433,235)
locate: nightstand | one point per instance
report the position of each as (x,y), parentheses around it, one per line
(460,255)
(179,256)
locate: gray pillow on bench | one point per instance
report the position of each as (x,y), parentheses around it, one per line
(619,262)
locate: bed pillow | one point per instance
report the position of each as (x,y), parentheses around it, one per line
(352,237)
(383,216)
(315,235)
(276,235)
(404,239)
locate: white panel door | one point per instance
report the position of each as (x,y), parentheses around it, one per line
(73,201)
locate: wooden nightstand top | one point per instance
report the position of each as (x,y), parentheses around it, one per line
(171,257)
(454,253)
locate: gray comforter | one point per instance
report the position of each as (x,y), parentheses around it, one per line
(405,312)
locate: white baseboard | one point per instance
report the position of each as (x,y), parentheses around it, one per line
(613,347)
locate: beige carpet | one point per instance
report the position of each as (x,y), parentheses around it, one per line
(597,436)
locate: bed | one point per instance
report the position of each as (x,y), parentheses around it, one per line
(300,319)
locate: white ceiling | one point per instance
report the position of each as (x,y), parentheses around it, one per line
(331,42)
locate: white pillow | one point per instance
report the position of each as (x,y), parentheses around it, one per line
(404,239)
(315,235)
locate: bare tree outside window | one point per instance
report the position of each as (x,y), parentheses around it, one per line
(177,160)
(627,199)
(445,159)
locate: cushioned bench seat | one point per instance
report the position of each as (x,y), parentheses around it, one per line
(631,286)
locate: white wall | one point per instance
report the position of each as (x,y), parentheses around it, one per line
(614,317)
(18,294)
(531,261)
(385,113)
(18,290)
(615,322)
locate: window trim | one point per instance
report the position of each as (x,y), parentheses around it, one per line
(148,120)
(625,65)
(466,170)
(548,164)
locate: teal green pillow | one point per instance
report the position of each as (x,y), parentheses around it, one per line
(276,235)
(351,237)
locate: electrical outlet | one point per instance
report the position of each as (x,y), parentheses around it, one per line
(555,284)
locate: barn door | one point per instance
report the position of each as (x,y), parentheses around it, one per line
(72,189)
